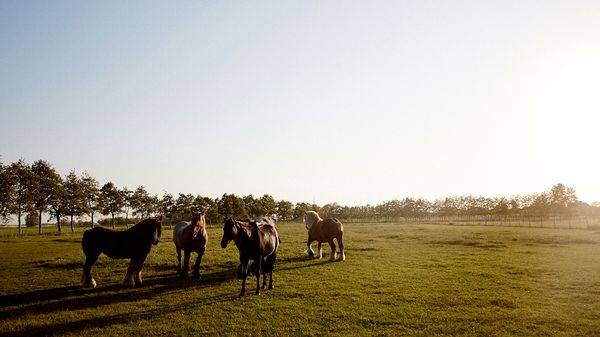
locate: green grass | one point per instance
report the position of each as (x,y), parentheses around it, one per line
(398,279)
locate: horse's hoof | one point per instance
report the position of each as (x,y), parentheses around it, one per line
(271,287)
(257,293)
(196,275)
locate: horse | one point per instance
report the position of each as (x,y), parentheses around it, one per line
(190,237)
(257,241)
(134,243)
(324,230)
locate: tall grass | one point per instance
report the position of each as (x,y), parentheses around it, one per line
(398,279)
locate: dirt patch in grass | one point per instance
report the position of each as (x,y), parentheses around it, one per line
(469,243)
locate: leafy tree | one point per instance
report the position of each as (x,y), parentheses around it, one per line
(284,210)
(57,205)
(7,191)
(302,207)
(74,197)
(142,203)
(232,206)
(44,185)
(20,177)
(252,206)
(127,197)
(91,195)
(184,205)
(167,203)
(268,206)
(112,201)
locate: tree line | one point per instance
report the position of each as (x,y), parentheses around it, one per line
(36,189)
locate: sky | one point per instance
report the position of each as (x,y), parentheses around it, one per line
(355,102)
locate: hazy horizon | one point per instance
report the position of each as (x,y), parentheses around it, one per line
(344,101)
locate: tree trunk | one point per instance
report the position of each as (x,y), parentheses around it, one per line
(113,220)
(19,217)
(40,223)
(72,230)
(126,220)
(92,216)
(58,222)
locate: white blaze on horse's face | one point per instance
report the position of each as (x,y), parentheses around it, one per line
(156,237)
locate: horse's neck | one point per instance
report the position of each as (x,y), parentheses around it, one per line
(316,218)
(199,223)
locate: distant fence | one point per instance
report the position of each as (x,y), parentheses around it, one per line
(575,222)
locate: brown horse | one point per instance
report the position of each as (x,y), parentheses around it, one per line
(134,243)
(255,241)
(190,237)
(324,230)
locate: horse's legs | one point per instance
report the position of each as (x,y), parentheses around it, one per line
(131,271)
(340,240)
(178,259)
(244,273)
(87,280)
(196,272)
(137,275)
(270,265)
(186,263)
(309,250)
(332,245)
(259,265)
(320,250)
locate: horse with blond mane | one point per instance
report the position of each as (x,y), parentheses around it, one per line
(324,230)
(190,237)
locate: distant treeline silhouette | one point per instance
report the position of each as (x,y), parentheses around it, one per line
(37,189)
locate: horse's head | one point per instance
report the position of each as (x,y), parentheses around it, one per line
(230,232)
(310,218)
(198,221)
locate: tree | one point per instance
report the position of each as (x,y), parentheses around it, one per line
(44,185)
(7,191)
(267,206)
(167,204)
(57,205)
(91,195)
(141,202)
(20,177)
(561,198)
(127,196)
(184,206)
(232,206)
(74,198)
(284,210)
(112,201)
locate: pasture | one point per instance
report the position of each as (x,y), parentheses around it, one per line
(398,279)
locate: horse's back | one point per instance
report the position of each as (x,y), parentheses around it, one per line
(115,244)
(326,229)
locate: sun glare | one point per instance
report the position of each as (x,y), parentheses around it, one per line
(567,120)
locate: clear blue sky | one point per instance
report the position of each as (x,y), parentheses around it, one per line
(353,102)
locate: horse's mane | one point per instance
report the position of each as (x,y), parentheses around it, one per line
(146,224)
(310,218)
(198,219)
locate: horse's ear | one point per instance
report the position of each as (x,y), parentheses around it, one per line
(305,212)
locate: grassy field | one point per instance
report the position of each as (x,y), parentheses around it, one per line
(398,279)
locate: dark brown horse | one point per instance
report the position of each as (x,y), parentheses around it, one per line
(134,243)
(190,237)
(257,242)
(324,230)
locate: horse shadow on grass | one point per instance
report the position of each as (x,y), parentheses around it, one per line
(83,325)
(47,301)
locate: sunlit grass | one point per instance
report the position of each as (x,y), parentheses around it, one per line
(398,279)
